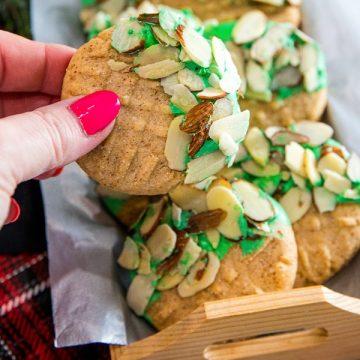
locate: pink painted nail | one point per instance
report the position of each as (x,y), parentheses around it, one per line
(96,111)
(14,212)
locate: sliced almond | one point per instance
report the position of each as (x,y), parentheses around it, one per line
(214,81)
(133,210)
(258,146)
(272,130)
(296,203)
(310,167)
(220,182)
(220,197)
(169,20)
(300,34)
(204,166)
(351,194)
(299,181)
(294,158)
(194,283)
(311,80)
(309,56)
(230,81)
(256,205)
(162,242)
(257,78)
(183,98)
(149,18)
(263,50)
(278,33)
(272,2)
(252,168)
(235,125)
(353,168)
(191,80)
(231,174)
(284,137)
(189,256)
(335,182)
(127,38)
(129,257)
(169,281)
(249,27)
(140,291)
(117,65)
(214,237)
(241,154)
(317,132)
(152,217)
(176,212)
(177,142)
(238,59)
(184,57)
(287,77)
(168,83)
(227,145)
(197,117)
(222,108)
(195,45)
(218,50)
(206,220)
(163,37)
(295,2)
(145,259)
(159,70)
(203,185)
(333,162)
(189,198)
(155,54)
(324,199)
(211,94)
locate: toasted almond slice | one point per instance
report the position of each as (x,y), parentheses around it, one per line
(241,154)
(145,258)
(184,57)
(257,78)
(183,98)
(335,182)
(351,194)
(191,80)
(195,45)
(311,80)
(129,257)
(238,58)
(117,65)
(203,185)
(278,33)
(252,168)
(189,256)
(140,291)
(287,77)
(353,168)
(155,54)
(169,281)
(294,158)
(310,167)
(146,7)
(282,60)
(317,132)
(285,175)
(272,130)
(220,197)
(230,81)
(272,2)
(220,182)
(126,38)
(163,37)
(249,27)
(162,242)
(177,142)
(214,81)
(214,237)
(296,203)
(194,283)
(324,199)
(227,145)
(263,50)
(284,137)
(169,19)
(152,217)
(149,18)
(176,212)
(309,56)
(235,125)
(256,205)
(168,83)
(159,70)
(211,94)
(333,162)
(197,117)
(231,174)
(301,35)
(218,50)
(299,181)
(189,198)
(204,166)
(222,108)
(205,221)
(295,2)
(258,146)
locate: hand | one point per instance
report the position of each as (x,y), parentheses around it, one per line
(39,135)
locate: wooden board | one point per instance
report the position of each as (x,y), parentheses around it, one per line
(307,323)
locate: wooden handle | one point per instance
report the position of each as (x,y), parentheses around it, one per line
(308,323)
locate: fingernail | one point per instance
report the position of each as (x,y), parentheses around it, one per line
(14,212)
(57,172)
(96,111)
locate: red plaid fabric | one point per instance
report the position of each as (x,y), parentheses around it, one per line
(26,328)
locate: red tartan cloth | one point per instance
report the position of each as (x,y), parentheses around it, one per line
(26,327)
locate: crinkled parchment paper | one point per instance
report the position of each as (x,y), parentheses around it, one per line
(88,303)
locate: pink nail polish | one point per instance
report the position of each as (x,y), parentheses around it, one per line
(14,212)
(96,111)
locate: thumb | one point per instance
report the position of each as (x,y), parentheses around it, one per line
(50,137)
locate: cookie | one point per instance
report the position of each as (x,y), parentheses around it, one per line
(170,81)
(198,245)
(283,69)
(316,180)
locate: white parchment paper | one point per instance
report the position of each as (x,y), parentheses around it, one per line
(88,303)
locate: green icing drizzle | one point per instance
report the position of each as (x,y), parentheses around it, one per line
(204,242)
(175,110)
(315,149)
(156,295)
(243,225)
(223,247)
(88,2)
(223,31)
(184,220)
(202,72)
(268,184)
(209,147)
(114,205)
(287,185)
(284,93)
(132,274)
(148,36)
(147,317)
(250,246)
(343,200)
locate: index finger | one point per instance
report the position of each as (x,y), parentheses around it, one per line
(29,66)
